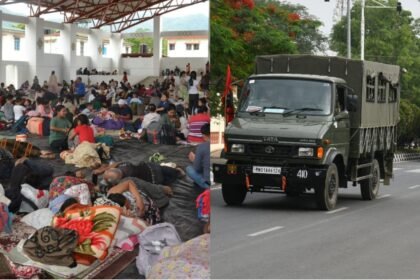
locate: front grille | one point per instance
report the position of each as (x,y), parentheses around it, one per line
(282,151)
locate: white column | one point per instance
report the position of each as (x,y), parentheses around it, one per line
(115,46)
(68,45)
(93,45)
(1,43)
(362,32)
(34,40)
(157,46)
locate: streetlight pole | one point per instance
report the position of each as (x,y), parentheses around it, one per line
(362,32)
(348,29)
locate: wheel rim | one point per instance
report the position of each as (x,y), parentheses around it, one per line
(332,185)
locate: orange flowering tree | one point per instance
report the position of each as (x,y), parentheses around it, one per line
(243,29)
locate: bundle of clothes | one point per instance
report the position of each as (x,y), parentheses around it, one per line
(74,225)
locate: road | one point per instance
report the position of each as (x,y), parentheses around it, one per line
(274,236)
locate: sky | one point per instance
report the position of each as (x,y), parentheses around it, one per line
(324,11)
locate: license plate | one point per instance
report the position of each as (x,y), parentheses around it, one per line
(266,170)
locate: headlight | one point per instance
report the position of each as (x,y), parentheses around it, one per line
(237,148)
(306,152)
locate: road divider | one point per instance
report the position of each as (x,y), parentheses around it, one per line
(414,187)
(265,231)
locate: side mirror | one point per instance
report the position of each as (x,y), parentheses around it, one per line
(352,101)
(341,116)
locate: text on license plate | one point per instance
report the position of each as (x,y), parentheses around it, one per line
(266,170)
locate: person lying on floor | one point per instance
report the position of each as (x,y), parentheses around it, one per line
(32,172)
(61,184)
(158,193)
(135,203)
(147,171)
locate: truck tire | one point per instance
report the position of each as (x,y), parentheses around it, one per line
(233,194)
(370,187)
(326,194)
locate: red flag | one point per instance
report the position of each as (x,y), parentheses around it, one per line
(228,109)
(228,82)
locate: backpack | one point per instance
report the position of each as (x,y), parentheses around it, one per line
(152,241)
(168,135)
(153,133)
(6,164)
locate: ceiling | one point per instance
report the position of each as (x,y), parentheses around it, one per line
(119,15)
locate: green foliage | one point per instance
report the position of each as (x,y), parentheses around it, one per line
(393,38)
(19,26)
(239,33)
(136,42)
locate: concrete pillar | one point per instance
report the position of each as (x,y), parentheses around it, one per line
(68,45)
(34,37)
(93,46)
(157,46)
(1,42)
(115,46)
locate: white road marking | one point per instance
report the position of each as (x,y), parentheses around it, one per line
(215,188)
(413,171)
(336,210)
(383,196)
(397,168)
(265,231)
(414,187)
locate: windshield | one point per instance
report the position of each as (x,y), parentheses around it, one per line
(281,96)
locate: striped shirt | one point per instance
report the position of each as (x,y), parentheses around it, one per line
(195,123)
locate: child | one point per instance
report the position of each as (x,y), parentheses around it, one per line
(83,130)
(163,105)
(18,109)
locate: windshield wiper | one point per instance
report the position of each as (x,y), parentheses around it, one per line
(296,111)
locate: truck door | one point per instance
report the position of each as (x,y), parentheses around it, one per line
(341,122)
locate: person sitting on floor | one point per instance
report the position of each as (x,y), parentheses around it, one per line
(8,109)
(199,172)
(150,117)
(59,129)
(83,130)
(195,123)
(18,109)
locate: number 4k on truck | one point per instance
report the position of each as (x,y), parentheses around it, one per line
(312,123)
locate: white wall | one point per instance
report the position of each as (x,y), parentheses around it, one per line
(181,50)
(138,66)
(51,62)
(198,64)
(22,68)
(9,52)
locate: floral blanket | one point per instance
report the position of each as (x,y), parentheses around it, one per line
(96,227)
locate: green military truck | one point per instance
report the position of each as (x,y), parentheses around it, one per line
(310,124)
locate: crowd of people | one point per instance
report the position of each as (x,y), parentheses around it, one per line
(172,110)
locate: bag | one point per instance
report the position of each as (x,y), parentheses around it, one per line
(152,240)
(46,126)
(35,126)
(106,139)
(32,199)
(153,133)
(52,246)
(20,124)
(168,135)
(6,164)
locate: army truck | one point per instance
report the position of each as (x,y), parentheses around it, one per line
(311,124)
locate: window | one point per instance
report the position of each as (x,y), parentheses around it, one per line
(339,100)
(370,89)
(172,47)
(189,47)
(17,43)
(196,47)
(104,49)
(392,98)
(381,91)
(82,48)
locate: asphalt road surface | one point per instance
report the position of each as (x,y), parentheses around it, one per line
(274,236)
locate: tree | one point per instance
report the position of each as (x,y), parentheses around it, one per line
(148,41)
(242,29)
(393,38)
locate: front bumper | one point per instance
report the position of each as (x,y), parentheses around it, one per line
(292,178)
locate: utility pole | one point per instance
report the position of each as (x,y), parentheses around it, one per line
(348,29)
(362,32)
